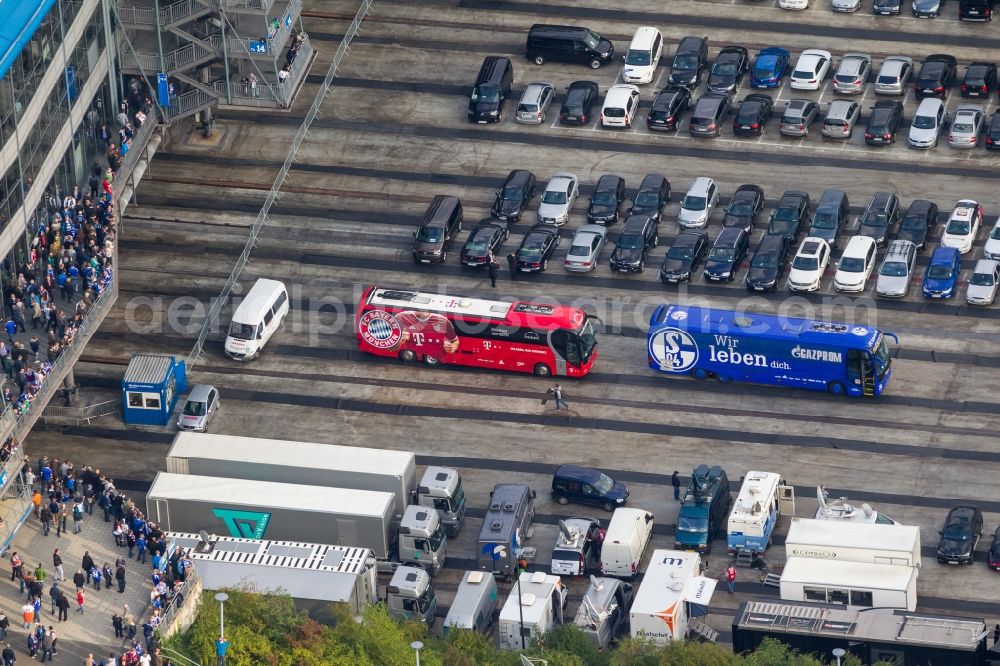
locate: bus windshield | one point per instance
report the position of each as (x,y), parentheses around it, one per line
(882,360)
(587,340)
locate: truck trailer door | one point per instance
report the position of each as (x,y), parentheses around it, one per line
(162,508)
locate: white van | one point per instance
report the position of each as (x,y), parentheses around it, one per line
(643,55)
(620,106)
(625,541)
(256,319)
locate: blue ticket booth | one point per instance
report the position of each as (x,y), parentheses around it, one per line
(150,388)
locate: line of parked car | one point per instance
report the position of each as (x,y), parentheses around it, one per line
(767,70)
(882,223)
(968,10)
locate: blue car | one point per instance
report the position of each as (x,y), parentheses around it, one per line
(942,273)
(769,67)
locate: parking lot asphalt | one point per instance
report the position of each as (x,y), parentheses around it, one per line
(393,134)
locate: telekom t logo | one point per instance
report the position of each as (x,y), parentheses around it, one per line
(244,524)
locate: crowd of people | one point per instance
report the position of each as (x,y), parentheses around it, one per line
(60,490)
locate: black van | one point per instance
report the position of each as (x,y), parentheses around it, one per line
(568,44)
(491,90)
(439,226)
(976,10)
(832,214)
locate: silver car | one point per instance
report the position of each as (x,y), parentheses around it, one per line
(698,203)
(535,102)
(897,269)
(798,115)
(982,289)
(929,121)
(586,248)
(841,118)
(845,5)
(558,199)
(966,127)
(852,74)
(201,405)
(895,73)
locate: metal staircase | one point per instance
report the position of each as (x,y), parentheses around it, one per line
(699,629)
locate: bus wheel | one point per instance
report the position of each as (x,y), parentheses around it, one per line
(836,388)
(699,373)
(723,380)
(431,360)
(407,355)
(542,370)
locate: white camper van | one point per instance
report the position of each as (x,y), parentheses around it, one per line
(661,611)
(256,319)
(539,607)
(625,542)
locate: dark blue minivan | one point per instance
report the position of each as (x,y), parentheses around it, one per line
(585,485)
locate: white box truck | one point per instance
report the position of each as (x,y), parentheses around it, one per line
(288,512)
(661,610)
(315,464)
(856,585)
(849,541)
(535,605)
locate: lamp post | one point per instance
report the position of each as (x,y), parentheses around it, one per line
(222,598)
(838,653)
(499,552)
(417,647)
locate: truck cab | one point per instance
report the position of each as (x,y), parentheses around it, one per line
(409,596)
(441,488)
(422,540)
(704,509)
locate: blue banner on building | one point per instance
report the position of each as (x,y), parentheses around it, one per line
(71,88)
(162,90)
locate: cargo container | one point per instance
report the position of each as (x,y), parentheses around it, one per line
(662,609)
(846,541)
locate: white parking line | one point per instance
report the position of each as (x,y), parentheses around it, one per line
(555,122)
(822,91)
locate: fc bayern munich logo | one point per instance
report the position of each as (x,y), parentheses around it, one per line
(380,329)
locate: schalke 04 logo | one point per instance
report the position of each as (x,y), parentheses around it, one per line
(675,350)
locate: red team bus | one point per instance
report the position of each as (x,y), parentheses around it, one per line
(524,337)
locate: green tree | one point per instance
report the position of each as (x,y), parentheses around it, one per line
(771,652)
(636,652)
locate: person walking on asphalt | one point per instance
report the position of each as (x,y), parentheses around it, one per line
(511,262)
(88,564)
(62,603)
(492,266)
(54,596)
(80,599)
(9,658)
(557,393)
(996,634)
(46,517)
(57,562)
(46,646)
(221,647)
(731,578)
(119,624)
(120,577)
(675,481)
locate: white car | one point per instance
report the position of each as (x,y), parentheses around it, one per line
(620,106)
(856,264)
(845,5)
(928,123)
(643,55)
(793,4)
(963,225)
(982,288)
(558,199)
(698,203)
(992,248)
(810,69)
(586,248)
(809,264)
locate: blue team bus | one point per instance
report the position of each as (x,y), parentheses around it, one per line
(844,359)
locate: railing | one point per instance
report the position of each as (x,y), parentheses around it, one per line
(146,62)
(82,415)
(189,103)
(183,58)
(137,15)
(267,95)
(136,151)
(174,13)
(265,46)
(253,5)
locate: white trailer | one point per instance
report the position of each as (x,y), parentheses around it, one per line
(307,571)
(856,585)
(661,610)
(755,513)
(854,542)
(535,605)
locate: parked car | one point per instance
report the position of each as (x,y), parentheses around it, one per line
(558,199)
(887,7)
(966,127)
(441,222)
(962,530)
(620,106)
(884,122)
(643,56)
(652,196)
(993,555)
(809,264)
(767,263)
(489,236)
(982,289)
(845,5)
(894,75)
(769,67)
(810,69)
(726,255)
(514,195)
(567,44)
(852,73)
(993,132)
(576,546)
(683,256)
(918,221)
(746,202)
(752,115)
(897,269)
(929,121)
(798,116)
(942,273)
(668,107)
(535,102)
(580,98)
(638,235)
(730,66)
(199,409)
(856,265)
(536,248)
(831,216)
(793,4)
(690,60)
(936,74)
(963,225)
(840,119)
(585,249)
(491,90)
(584,485)
(980,78)
(926,8)
(879,217)
(606,200)
(698,203)
(791,214)
(991,250)
(708,114)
